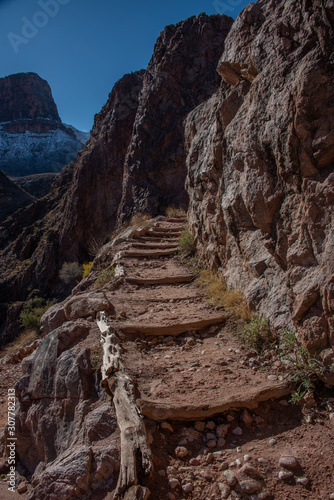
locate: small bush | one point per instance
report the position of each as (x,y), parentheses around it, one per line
(306,369)
(175,212)
(257,334)
(86,269)
(32,312)
(187,244)
(140,219)
(70,272)
(217,292)
(105,276)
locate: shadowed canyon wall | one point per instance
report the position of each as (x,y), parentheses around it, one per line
(260,165)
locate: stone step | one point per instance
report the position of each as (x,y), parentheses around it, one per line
(181,220)
(174,328)
(153,245)
(186,278)
(163,229)
(149,253)
(250,399)
(162,234)
(155,239)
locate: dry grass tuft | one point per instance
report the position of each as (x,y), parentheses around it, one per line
(218,294)
(175,212)
(137,220)
(23,340)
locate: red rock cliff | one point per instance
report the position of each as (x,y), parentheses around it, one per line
(260,165)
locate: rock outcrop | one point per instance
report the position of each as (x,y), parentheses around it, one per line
(12,197)
(66,429)
(180,75)
(260,166)
(33,138)
(37,185)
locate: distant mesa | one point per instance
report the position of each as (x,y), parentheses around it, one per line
(33,139)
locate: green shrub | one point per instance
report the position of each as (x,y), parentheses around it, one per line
(105,276)
(256,334)
(187,244)
(306,369)
(32,312)
(70,272)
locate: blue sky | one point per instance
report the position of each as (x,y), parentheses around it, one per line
(82,47)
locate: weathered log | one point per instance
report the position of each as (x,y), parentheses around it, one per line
(137,493)
(135,451)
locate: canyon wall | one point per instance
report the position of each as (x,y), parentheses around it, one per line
(260,165)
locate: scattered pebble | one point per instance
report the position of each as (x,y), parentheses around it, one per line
(206,475)
(210,425)
(272,377)
(284,402)
(194,461)
(199,426)
(232,464)
(237,431)
(171,470)
(210,435)
(247,418)
(222,430)
(187,488)
(22,488)
(162,473)
(284,475)
(224,490)
(272,442)
(166,426)
(203,352)
(250,471)
(246,458)
(174,483)
(303,481)
(221,442)
(181,452)
(288,462)
(249,486)
(230,478)
(212,443)
(239,449)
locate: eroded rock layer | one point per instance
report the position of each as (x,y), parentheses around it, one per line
(260,165)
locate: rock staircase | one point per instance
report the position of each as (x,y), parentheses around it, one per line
(168,346)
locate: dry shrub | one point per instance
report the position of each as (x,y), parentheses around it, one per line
(23,340)
(187,243)
(175,212)
(137,220)
(217,292)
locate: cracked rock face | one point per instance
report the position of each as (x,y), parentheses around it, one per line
(65,430)
(260,165)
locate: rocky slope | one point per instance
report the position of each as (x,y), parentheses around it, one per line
(33,138)
(260,166)
(37,185)
(12,197)
(175,396)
